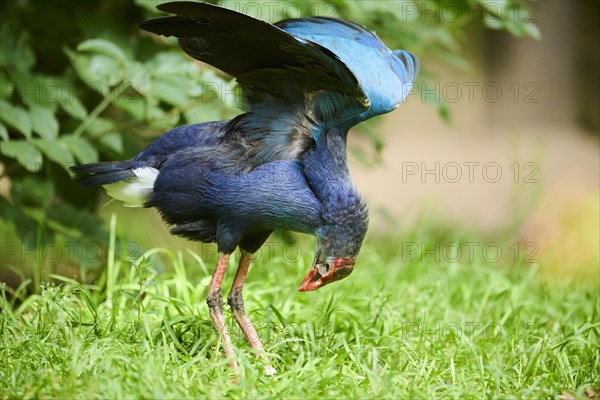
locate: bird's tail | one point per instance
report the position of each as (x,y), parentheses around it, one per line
(123,181)
(102,173)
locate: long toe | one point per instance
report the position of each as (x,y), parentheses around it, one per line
(270,370)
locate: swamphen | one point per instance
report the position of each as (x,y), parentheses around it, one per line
(282,163)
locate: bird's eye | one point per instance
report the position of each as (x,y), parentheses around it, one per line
(324,267)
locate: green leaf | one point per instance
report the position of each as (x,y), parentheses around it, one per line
(83,151)
(523,29)
(24,225)
(73,107)
(44,122)
(443,111)
(166,121)
(170,63)
(104,130)
(16,117)
(202,112)
(149,5)
(6,88)
(154,115)
(24,152)
(112,141)
(101,46)
(14,51)
(32,191)
(497,8)
(3,132)
(104,70)
(531,30)
(55,151)
(98,72)
(23,58)
(6,45)
(100,126)
(37,89)
(139,78)
(87,223)
(172,89)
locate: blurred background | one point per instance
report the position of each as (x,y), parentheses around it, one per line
(498,141)
(519,152)
(519,100)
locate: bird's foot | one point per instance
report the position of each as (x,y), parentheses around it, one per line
(270,370)
(236,376)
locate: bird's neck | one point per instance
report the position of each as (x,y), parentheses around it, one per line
(344,214)
(327,171)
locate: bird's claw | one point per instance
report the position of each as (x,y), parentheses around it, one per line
(270,370)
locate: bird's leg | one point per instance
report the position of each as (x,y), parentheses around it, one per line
(236,302)
(215,305)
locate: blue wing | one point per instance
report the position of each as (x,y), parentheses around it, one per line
(264,58)
(385,76)
(300,77)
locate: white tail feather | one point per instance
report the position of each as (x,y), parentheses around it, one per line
(136,190)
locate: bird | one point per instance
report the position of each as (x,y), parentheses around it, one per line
(280,164)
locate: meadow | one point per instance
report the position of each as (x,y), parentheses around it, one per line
(413,321)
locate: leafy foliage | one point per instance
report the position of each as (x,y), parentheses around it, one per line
(79,83)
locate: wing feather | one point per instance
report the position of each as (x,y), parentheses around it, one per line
(250,50)
(300,77)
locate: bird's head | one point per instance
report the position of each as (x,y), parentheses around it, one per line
(337,249)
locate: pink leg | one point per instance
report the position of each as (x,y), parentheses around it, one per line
(215,305)
(236,302)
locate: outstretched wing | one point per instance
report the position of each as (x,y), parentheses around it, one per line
(264,58)
(386,77)
(300,77)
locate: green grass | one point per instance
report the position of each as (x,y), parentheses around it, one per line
(399,327)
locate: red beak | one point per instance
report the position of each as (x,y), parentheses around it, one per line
(341,268)
(312,281)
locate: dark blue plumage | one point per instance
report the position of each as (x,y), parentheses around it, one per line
(281,164)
